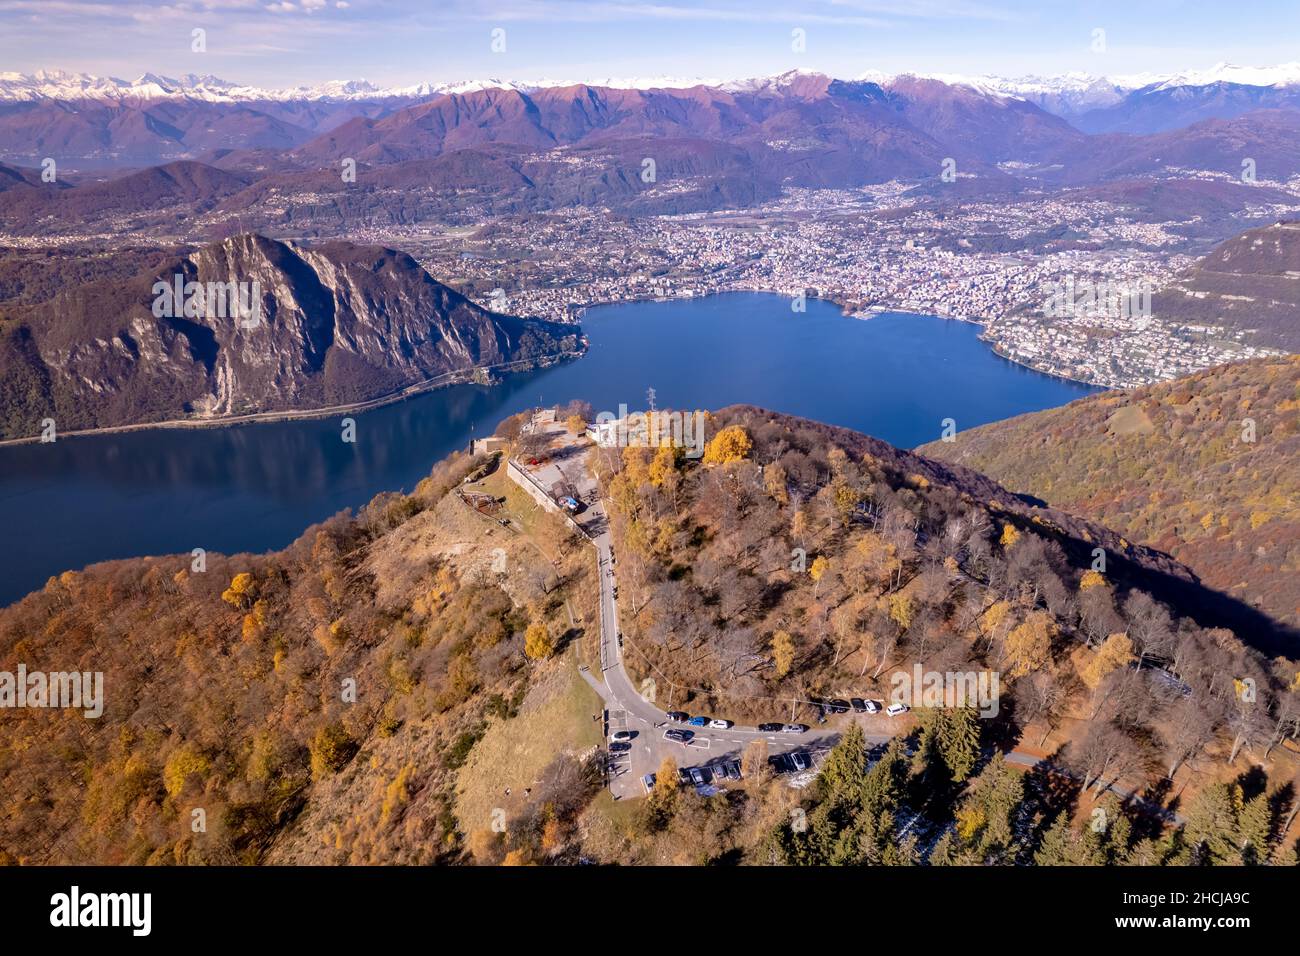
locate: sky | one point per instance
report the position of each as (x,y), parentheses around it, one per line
(285,43)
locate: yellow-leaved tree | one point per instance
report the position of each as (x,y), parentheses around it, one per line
(1029,645)
(538,642)
(730,444)
(782,652)
(241,590)
(1115,651)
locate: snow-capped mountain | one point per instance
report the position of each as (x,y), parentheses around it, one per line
(1282,75)
(64,86)
(1067,93)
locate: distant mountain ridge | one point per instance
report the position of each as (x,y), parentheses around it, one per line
(66,85)
(97,120)
(1249,283)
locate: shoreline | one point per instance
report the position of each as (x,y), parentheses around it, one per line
(466,376)
(446,380)
(864,315)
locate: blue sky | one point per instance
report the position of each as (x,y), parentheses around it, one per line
(294,42)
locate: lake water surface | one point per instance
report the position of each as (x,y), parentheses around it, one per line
(256,487)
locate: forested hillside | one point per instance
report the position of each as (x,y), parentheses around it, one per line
(404,685)
(800,563)
(314,704)
(1204,467)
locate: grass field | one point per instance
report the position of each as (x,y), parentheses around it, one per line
(554,718)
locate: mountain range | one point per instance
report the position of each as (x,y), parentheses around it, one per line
(277,164)
(104,121)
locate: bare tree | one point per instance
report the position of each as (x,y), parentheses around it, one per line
(1191,725)
(1105,755)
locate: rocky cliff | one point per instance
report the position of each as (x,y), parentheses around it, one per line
(249,324)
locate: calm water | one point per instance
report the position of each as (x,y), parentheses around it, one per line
(256,487)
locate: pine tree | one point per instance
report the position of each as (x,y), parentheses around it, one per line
(1057,846)
(1210,834)
(959,741)
(1254,827)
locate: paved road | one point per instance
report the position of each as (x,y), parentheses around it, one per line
(629,710)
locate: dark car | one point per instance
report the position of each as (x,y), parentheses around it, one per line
(779,763)
(733,770)
(677,715)
(684,776)
(837,706)
(681,736)
(619,747)
(700,776)
(858,704)
(770,728)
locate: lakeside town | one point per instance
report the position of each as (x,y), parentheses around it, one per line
(885,247)
(869,251)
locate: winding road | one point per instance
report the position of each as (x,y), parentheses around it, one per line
(627,708)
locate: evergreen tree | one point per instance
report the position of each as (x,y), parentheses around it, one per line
(959,741)
(1254,829)
(1210,834)
(1057,846)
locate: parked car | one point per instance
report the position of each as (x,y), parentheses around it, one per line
(770,728)
(858,704)
(893,710)
(701,776)
(622,735)
(717,723)
(794,728)
(681,736)
(698,721)
(619,747)
(683,776)
(733,770)
(799,761)
(780,763)
(873,707)
(677,715)
(648,782)
(837,706)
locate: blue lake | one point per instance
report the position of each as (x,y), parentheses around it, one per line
(256,487)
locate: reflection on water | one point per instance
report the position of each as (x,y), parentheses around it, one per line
(256,487)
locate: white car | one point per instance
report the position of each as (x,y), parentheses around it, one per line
(621,735)
(893,710)
(873,706)
(717,723)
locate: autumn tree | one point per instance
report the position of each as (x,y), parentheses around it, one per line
(1028,647)
(241,590)
(665,795)
(732,444)
(331,749)
(783,653)
(538,642)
